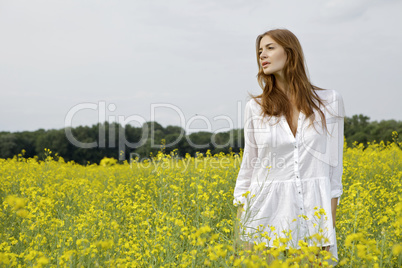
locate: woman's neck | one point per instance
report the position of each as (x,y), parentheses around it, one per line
(282,84)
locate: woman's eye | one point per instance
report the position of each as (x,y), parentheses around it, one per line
(270,47)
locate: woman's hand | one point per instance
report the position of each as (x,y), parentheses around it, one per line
(334,205)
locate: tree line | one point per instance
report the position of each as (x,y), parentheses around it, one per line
(90,144)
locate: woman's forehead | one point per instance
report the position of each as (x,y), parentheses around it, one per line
(265,40)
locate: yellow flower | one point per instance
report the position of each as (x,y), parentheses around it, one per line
(246,194)
(43,260)
(397,249)
(22,213)
(15,202)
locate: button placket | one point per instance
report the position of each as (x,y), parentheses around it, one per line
(303,224)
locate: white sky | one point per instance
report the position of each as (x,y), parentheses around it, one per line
(195,58)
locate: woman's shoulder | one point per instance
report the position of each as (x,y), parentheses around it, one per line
(254,105)
(329,95)
(332,99)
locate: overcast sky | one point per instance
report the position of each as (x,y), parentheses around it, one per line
(187,63)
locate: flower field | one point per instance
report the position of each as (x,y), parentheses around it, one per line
(170,212)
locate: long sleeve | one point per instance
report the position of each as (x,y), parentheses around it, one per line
(250,155)
(336,141)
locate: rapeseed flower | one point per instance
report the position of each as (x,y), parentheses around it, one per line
(171,212)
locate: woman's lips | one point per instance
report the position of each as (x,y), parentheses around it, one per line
(265,64)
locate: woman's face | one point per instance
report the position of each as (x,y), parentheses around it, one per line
(272,56)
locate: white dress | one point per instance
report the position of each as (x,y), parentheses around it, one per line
(290,178)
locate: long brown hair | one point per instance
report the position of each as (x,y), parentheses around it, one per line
(273,101)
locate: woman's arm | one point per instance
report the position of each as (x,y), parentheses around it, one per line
(336,142)
(334,205)
(250,155)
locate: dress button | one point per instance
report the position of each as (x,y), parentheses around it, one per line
(301,209)
(299,192)
(297,176)
(296,162)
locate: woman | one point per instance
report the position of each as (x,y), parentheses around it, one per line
(290,178)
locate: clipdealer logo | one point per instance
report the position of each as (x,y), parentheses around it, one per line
(148,130)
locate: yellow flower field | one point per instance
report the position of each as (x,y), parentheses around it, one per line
(172,212)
